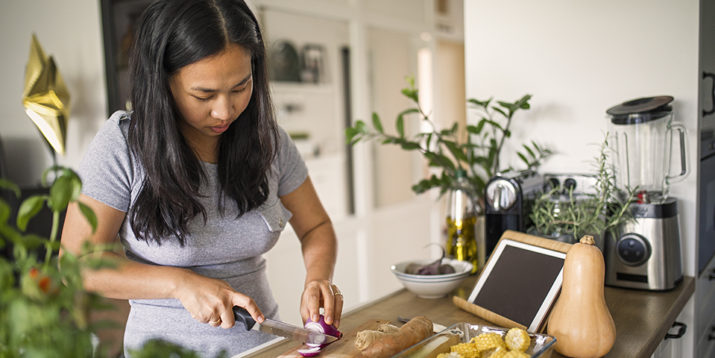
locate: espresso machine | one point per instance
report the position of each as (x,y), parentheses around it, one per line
(509,197)
(645,254)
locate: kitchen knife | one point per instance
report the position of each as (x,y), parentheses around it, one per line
(282,329)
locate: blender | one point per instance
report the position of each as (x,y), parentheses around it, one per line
(645,253)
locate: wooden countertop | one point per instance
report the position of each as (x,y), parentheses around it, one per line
(642,317)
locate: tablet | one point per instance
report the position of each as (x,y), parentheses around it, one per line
(521,280)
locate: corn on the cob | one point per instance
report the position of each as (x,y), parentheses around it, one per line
(516,354)
(466,350)
(498,352)
(487,341)
(517,339)
(449,355)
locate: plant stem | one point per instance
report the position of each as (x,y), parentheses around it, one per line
(53,235)
(501,142)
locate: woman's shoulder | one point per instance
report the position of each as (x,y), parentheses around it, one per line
(283,135)
(120,120)
(115,129)
(112,135)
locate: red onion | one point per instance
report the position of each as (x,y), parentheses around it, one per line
(320,327)
(309,352)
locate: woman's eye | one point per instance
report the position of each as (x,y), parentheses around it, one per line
(239,90)
(202,99)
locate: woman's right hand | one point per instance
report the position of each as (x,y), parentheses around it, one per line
(211,301)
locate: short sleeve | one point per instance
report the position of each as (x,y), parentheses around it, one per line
(291,167)
(106,168)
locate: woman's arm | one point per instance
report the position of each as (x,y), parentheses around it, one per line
(205,298)
(319,246)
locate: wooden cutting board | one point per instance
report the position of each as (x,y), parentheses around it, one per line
(344,347)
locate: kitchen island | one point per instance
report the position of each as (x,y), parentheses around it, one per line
(642,317)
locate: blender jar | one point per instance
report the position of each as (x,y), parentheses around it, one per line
(642,138)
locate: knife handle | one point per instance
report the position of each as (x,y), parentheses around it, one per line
(242,316)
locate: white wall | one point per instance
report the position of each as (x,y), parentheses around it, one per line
(70,31)
(578,58)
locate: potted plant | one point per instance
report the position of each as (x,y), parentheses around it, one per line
(465,157)
(478,153)
(564,215)
(44,309)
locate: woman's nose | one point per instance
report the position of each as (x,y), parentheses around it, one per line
(222,109)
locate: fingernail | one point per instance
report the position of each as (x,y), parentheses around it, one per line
(261,319)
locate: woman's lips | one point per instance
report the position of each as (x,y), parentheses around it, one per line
(219,129)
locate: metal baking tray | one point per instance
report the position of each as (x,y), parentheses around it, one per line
(542,345)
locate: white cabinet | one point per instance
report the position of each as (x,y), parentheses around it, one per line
(676,343)
(705,312)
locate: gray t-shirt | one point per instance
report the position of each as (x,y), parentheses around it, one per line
(225,247)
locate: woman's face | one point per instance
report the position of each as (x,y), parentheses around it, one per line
(212,93)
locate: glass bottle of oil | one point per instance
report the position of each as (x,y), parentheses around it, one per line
(461,221)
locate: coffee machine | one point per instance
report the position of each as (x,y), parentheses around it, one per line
(509,197)
(645,254)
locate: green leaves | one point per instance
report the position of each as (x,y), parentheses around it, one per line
(533,156)
(479,103)
(444,182)
(411,92)
(456,150)
(376,123)
(446,148)
(494,128)
(356,133)
(6,184)
(400,126)
(28,209)
(89,215)
(66,188)
(44,313)
(591,214)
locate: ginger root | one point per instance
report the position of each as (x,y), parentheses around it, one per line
(386,341)
(387,328)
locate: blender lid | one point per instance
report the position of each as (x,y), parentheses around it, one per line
(641,110)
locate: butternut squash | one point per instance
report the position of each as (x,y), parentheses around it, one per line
(580,320)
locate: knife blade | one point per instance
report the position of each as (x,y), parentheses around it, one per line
(282,329)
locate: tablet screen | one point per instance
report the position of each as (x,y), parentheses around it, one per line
(520,282)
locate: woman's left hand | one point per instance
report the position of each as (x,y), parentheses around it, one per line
(322,293)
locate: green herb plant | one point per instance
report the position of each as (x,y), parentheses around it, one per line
(44,309)
(478,155)
(593,213)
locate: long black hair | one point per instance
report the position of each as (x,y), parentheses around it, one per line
(171,35)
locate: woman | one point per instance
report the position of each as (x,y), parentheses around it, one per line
(197,182)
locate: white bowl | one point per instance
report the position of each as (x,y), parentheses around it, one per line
(432,286)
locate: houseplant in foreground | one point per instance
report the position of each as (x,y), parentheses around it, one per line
(44,309)
(465,157)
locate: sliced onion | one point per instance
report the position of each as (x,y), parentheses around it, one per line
(310,352)
(323,327)
(320,327)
